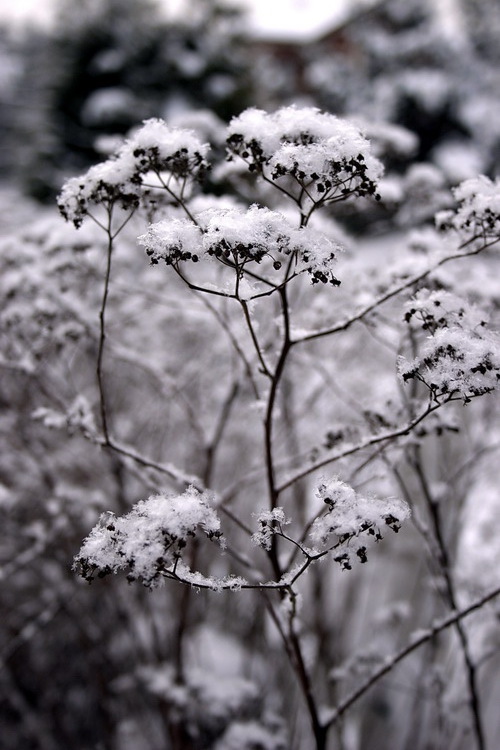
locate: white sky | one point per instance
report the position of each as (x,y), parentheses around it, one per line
(289,18)
(280,16)
(20,11)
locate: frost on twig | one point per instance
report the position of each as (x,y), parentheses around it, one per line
(150,539)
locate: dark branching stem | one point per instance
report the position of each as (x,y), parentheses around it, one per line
(255,341)
(102,327)
(389,664)
(319,730)
(444,564)
(386,437)
(213,445)
(394,291)
(108,228)
(290,639)
(234,342)
(269,420)
(292,647)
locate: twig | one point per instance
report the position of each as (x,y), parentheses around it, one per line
(102,328)
(415,643)
(384,437)
(386,296)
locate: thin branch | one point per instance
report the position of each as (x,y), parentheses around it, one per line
(234,341)
(269,419)
(211,448)
(414,644)
(443,559)
(102,329)
(386,296)
(248,320)
(292,647)
(178,476)
(384,437)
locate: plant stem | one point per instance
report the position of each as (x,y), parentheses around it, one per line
(102,329)
(389,664)
(268,424)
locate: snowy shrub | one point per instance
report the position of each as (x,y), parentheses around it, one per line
(168,153)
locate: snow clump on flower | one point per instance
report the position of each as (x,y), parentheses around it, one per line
(326,155)
(460,357)
(156,148)
(351,514)
(478,213)
(172,240)
(270,523)
(237,236)
(149,539)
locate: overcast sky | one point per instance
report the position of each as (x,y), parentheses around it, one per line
(273,15)
(290,18)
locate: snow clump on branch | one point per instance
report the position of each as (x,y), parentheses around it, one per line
(155,148)
(236,237)
(461,357)
(327,156)
(351,514)
(150,539)
(478,213)
(270,522)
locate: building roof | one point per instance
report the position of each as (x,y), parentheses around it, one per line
(300,21)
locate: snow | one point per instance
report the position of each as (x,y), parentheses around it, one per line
(461,356)
(458,160)
(350,513)
(240,236)
(479,547)
(249,735)
(154,146)
(455,361)
(305,137)
(156,134)
(150,537)
(103,105)
(270,522)
(79,417)
(297,21)
(217,704)
(172,240)
(479,212)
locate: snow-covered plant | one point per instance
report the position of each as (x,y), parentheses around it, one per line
(149,540)
(460,357)
(350,515)
(312,157)
(237,238)
(478,212)
(169,154)
(281,295)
